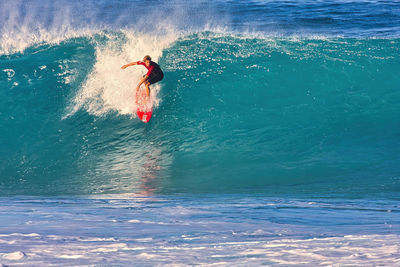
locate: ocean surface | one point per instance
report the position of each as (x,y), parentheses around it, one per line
(275,136)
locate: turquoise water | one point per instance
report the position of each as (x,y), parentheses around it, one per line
(235,113)
(275,136)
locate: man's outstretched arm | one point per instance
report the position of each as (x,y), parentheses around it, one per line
(129,64)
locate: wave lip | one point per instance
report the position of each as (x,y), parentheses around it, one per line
(23,23)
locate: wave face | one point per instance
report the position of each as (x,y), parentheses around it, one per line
(236,111)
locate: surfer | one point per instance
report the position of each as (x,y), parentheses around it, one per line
(154,73)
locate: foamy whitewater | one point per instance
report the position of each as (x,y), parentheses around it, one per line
(274,138)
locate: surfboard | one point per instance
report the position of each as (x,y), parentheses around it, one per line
(144,110)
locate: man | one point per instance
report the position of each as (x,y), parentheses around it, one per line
(153,75)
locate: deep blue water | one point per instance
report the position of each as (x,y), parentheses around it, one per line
(262,101)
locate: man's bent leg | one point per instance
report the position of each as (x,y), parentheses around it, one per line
(147,89)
